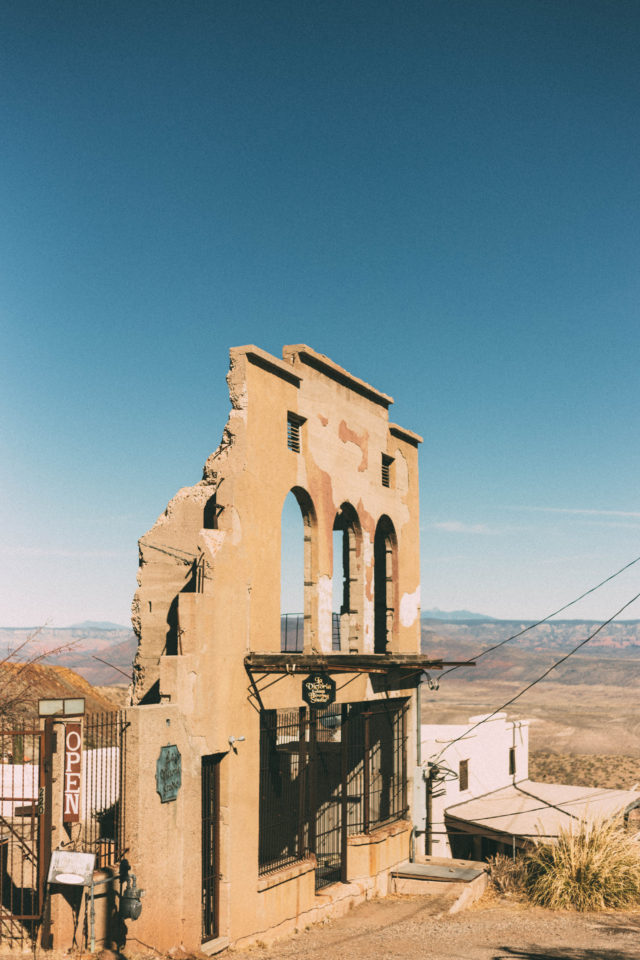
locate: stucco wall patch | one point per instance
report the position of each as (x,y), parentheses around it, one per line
(409,608)
(361,440)
(325,599)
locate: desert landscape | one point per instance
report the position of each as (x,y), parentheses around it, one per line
(585,725)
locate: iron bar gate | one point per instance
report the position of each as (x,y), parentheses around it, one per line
(104,751)
(210,844)
(326,774)
(23,839)
(26,793)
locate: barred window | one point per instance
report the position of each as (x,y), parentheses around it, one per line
(312,763)
(281,837)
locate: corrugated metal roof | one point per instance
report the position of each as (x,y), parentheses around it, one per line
(529,809)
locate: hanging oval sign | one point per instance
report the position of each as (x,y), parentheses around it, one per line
(318,690)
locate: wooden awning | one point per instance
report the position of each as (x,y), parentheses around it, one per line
(346,663)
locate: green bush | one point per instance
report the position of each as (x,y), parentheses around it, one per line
(591,866)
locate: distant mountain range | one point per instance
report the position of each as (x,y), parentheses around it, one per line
(97,625)
(100,654)
(435,614)
(613,656)
(103,652)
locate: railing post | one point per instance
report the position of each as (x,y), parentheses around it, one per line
(366,764)
(344,765)
(46,826)
(302,779)
(313,776)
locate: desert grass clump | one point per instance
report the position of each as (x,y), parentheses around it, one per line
(508,875)
(591,866)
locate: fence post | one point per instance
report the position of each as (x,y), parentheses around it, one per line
(366,770)
(344,773)
(45,845)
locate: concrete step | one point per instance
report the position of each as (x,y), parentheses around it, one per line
(460,881)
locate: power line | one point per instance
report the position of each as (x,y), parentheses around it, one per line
(540,622)
(542,676)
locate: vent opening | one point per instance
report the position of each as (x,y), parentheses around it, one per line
(386,470)
(294,438)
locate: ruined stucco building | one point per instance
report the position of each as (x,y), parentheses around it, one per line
(277,811)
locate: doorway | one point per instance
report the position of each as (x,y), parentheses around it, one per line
(210,844)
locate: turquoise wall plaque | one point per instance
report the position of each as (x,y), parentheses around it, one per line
(168,773)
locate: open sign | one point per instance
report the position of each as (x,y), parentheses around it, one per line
(72,772)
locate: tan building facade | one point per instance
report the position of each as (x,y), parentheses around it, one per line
(251,810)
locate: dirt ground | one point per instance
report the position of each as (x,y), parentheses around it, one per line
(587,770)
(564,718)
(414,928)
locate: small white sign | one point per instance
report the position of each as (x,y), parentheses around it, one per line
(72,868)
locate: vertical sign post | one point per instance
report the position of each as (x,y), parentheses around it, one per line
(72,772)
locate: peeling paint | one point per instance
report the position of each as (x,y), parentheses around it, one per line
(361,440)
(325,598)
(410,608)
(213,540)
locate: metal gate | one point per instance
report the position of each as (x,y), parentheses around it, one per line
(327,774)
(102,828)
(26,794)
(24,837)
(210,844)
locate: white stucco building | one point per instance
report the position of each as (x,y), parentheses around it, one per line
(476,797)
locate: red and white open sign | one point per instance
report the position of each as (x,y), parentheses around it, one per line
(72,772)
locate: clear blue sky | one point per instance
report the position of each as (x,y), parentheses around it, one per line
(442,195)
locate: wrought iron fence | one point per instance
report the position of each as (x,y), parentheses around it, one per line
(21,809)
(291,632)
(103,827)
(335,631)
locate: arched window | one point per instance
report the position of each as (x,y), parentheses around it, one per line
(384,579)
(296,571)
(347,581)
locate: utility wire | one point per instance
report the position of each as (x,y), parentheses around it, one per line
(113,666)
(539,622)
(541,677)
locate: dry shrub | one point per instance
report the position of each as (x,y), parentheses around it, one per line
(591,866)
(508,874)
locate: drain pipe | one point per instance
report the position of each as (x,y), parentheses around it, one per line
(428,840)
(412,838)
(419,723)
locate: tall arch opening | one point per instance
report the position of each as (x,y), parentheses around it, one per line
(347,581)
(296,571)
(384,580)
